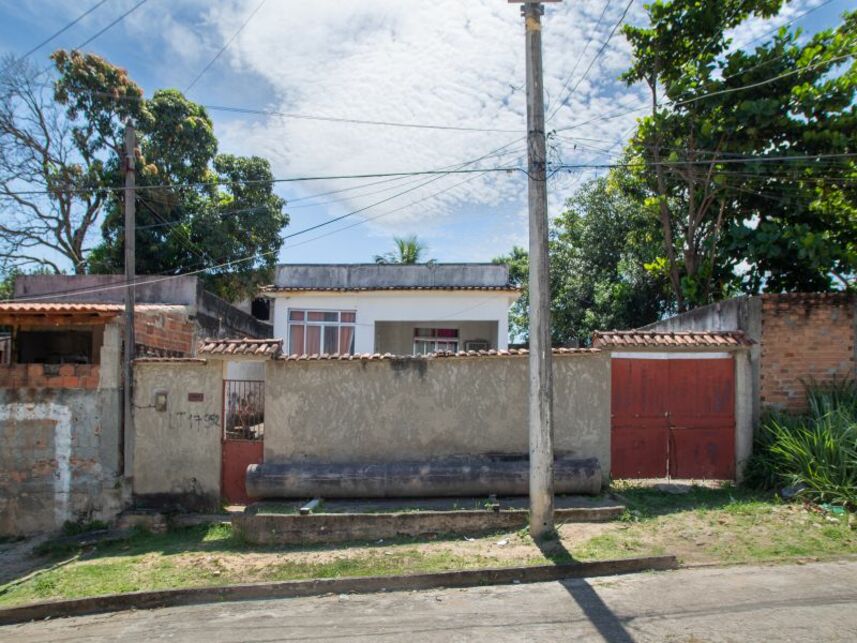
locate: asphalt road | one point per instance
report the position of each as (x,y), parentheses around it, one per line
(813,602)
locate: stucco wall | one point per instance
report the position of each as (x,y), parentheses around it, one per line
(177,450)
(381,306)
(364,411)
(59,456)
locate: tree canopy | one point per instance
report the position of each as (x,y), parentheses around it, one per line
(723,158)
(599,247)
(195,209)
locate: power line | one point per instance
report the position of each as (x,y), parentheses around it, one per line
(224,47)
(112,24)
(729,90)
(786,24)
(253,257)
(582,54)
(61,31)
(330,119)
(596,57)
(300,179)
(355,121)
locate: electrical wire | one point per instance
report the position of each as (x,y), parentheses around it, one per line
(580,57)
(61,31)
(595,58)
(115,22)
(224,47)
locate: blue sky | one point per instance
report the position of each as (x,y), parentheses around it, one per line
(441,62)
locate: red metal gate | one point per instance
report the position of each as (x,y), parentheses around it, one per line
(243,436)
(673,417)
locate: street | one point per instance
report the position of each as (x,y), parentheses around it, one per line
(816,601)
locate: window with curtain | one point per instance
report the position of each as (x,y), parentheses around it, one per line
(435,340)
(314,332)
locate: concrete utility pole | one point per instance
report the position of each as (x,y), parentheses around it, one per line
(126,435)
(540,360)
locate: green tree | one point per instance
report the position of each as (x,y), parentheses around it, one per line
(53,154)
(731,216)
(409,250)
(599,247)
(196,209)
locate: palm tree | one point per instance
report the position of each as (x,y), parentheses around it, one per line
(409,250)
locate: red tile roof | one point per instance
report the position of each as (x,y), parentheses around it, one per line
(678,339)
(41,308)
(514,289)
(243,347)
(150,360)
(442,355)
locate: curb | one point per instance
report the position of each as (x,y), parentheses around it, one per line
(294,529)
(304,588)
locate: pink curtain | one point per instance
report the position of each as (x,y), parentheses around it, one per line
(346,339)
(313,340)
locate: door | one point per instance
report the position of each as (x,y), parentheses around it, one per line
(243,436)
(673,416)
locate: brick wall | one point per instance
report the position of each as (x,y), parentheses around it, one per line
(77,376)
(163,334)
(805,337)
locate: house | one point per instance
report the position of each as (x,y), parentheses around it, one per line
(211,316)
(391,308)
(63,452)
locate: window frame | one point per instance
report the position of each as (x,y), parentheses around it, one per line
(434,340)
(321,324)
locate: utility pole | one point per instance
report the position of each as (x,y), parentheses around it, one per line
(127,433)
(540,358)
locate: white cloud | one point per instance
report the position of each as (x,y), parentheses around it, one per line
(445,62)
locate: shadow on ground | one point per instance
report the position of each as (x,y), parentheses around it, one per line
(608,624)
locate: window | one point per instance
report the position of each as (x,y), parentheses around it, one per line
(435,340)
(314,332)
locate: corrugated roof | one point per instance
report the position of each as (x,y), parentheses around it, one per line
(678,339)
(441,355)
(245,347)
(377,288)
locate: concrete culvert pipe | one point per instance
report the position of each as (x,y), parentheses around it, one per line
(452,476)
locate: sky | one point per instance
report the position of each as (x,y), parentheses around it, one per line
(440,62)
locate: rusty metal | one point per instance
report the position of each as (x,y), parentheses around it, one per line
(673,418)
(243,435)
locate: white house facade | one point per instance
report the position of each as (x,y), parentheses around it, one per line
(391,308)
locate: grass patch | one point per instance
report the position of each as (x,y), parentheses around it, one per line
(726,525)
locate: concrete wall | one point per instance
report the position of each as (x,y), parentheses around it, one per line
(388,410)
(397,338)
(176,459)
(373,275)
(59,441)
(401,306)
(59,455)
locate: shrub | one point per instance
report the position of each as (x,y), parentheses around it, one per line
(816,451)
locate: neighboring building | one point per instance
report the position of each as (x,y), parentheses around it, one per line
(63,452)
(801,338)
(61,407)
(211,315)
(391,308)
